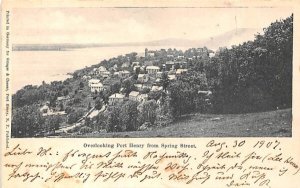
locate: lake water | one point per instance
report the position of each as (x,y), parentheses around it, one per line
(33,67)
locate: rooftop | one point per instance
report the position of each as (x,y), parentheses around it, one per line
(134,93)
(117,95)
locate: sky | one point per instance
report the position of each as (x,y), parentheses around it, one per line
(114,25)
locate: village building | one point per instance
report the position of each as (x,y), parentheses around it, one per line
(85,77)
(115,98)
(100,70)
(105,74)
(125,65)
(172,77)
(93,81)
(170,65)
(135,63)
(152,69)
(62,100)
(124,74)
(156,88)
(143,78)
(116,73)
(180,57)
(159,74)
(133,95)
(211,54)
(206,93)
(181,71)
(140,87)
(97,87)
(136,67)
(45,109)
(142,97)
(151,54)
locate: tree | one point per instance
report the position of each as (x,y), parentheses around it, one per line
(52,123)
(98,104)
(27,121)
(114,121)
(74,116)
(129,115)
(165,81)
(128,86)
(148,112)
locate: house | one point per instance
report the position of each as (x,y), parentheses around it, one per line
(62,100)
(124,74)
(45,109)
(125,65)
(97,87)
(172,77)
(181,71)
(142,97)
(85,77)
(133,95)
(150,54)
(152,69)
(169,65)
(93,81)
(140,87)
(135,63)
(159,74)
(156,88)
(136,67)
(115,98)
(143,78)
(206,93)
(105,74)
(180,57)
(101,69)
(116,73)
(211,54)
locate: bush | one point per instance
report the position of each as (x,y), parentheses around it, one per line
(85,129)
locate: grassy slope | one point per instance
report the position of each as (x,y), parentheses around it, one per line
(264,124)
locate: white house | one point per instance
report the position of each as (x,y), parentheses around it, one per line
(156,88)
(211,54)
(124,74)
(181,71)
(135,63)
(97,87)
(93,81)
(172,77)
(136,67)
(62,100)
(125,65)
(152,69)
(143,78)
(101,69)
(115,98)
(133,95)
(142,97)
(159,74)
(170,65)
(105,74)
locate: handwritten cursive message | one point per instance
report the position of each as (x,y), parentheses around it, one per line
(235,163)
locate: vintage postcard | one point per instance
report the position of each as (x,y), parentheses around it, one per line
(150,94)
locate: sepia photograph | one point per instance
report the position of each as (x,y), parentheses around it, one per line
(151,72)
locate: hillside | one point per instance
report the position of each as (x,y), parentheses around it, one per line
(266,124)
